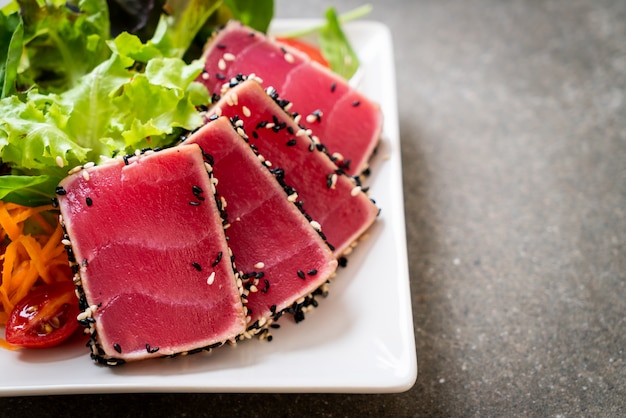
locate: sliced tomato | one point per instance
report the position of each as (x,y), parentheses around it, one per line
(45,317)
(311,50)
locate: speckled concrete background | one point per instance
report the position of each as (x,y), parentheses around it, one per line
(513,126)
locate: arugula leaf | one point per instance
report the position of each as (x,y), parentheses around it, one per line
(254,13)
(62,41)
(11,39)
(336,47)
(27,190)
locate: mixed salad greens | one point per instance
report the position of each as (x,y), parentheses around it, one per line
(73,93)
(76,78)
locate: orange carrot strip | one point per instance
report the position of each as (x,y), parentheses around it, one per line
(10,227)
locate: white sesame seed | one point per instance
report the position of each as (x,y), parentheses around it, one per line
(297,118)
(311,118)
(86,175)
(288,107)
(205,76)
(253,289)
(229,57)
(59,161)
(355,191)
(316,225)
(333,181)
(246,111)
(221,64)
(242,133)
(239,123)
(259,265)
(270,125)
(224,204)
(268,163)
(211,279)
(292,197)
(337,156)
(289,58)
(301,132)
(75,170)
(66,242)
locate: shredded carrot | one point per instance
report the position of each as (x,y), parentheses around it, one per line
(28,259)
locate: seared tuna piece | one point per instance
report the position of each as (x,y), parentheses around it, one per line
(152,264)
(330,197)
(346,122)
(281,257)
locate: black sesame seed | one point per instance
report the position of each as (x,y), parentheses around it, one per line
(342,261)
(217,259)
(255,135)
(193,203)
(356,103)
(290,130)
(273,308)
(196,190)
(267,286)
(60,191)
(301,274)
(151,349)
(88,201)
(125,158)
(55,202)
(291,142)
(220,46)
(117,348)
(275,326)
(85,262)
(196,266)
(333,87)
(220,76)
(312,272)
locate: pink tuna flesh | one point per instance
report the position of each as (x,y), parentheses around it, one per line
(282,257)
(355,130)
(328,196)
(149,242)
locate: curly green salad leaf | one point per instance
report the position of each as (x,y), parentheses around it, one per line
(136,99)
(62,41)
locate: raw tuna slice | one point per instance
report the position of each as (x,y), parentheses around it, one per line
(346,122)
(282,259)
(150,256)
(330,197)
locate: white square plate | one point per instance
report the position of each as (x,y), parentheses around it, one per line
(359,339)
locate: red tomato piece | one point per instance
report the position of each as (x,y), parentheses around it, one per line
(311,50)
(45,317)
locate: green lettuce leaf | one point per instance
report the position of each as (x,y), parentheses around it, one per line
(27,190)
(254,13)
(11,40)
(124,104)
(63,40)
(336,48)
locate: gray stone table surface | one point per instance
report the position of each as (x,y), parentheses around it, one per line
(513,132)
